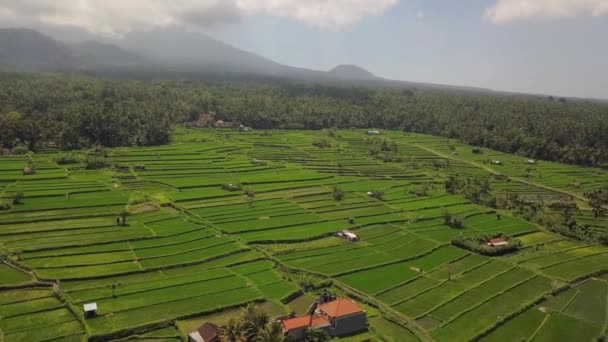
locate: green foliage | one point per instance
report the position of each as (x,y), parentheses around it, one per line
(377,194)
(337,194)
(82,111)
(94,162)
(316,335)
(139,197)
(476,190)
(67,158)
(476,150)
(321,143)
(20,149)
(17,197)
(452,220)
(478,244)
(598,201)
(6,204)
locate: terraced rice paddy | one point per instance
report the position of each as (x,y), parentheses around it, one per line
(192,251)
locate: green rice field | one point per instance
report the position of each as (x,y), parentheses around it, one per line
(209,228)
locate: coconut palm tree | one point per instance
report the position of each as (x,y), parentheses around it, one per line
(316,335)
(272,332)
(233,330)
(253,321)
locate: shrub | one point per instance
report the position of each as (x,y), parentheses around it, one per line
(337,194)
(20,149)
(478,244)
(139,197)
(6,204)
(377,194)
(97,162)
(452,220)
(321,143)
(17,196)
(477,150)
(67,158)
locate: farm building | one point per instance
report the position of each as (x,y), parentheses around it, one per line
(296,327)
(496,162)
(207,332)
(373,132)
(531,161)
(344,316)
(497,242)
(337,317)
(90,309)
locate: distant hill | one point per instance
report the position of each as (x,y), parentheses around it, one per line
(172,53)
(31,50)
(93,54)
(352,72)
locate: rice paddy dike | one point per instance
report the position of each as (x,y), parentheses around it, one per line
(192,250)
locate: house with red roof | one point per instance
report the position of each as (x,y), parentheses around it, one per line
(337,317)
(345,316)
(497,242)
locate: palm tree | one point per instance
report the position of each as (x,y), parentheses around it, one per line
(233,330)
(272,332)
(316,335)
(253,321)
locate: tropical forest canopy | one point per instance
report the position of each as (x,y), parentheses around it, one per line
(73,111)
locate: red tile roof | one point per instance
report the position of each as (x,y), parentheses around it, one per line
(497,240)
(304,322)
(340,307)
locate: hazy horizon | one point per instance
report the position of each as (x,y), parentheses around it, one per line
(527,46)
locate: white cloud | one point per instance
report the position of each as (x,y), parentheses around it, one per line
(116,17)
(320,13)
(505,11)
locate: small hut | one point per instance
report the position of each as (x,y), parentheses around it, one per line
(90,309)
(28,171)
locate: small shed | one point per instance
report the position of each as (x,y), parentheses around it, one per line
(496,162)
(373,132)
(207,332)
(497,242)
(531,161)
(90,309)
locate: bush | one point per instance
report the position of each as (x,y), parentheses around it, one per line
(452,220)
(477,150)
(20,149)
(97,162)
(17,196)
(337,194)
(377,194)
(67,158)
(139,197)
(321,143)
(6,204)
(477,244)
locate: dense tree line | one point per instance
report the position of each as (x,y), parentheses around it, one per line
(77,111)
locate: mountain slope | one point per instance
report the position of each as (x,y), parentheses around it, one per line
(95,54)
(191,50)
(352,72)
(30,50)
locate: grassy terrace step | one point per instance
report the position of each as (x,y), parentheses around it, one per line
(213,250)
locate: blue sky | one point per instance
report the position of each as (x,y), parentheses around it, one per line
(446,42)
(557,47)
